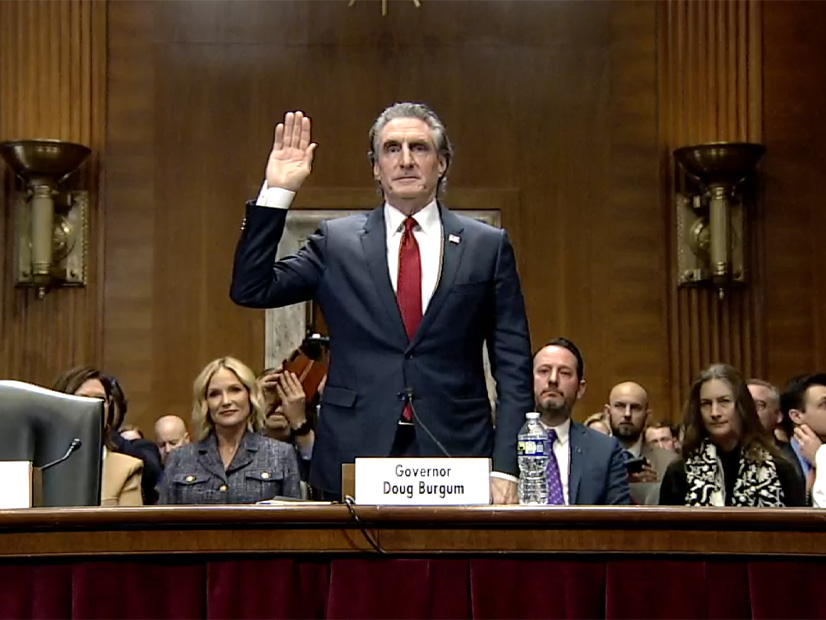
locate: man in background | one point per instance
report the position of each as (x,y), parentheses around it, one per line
(661,435)
(585,467)
(767,402)
(628,412)
(804,399)
(170,434)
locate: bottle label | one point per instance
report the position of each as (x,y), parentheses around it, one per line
(532,447)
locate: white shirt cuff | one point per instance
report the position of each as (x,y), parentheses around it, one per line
(818,490)
(503,476)
(274,197)
(820,458)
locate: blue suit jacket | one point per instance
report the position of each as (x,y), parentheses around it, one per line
(343,267)
(598,476)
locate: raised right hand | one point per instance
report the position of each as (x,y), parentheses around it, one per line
(291,158)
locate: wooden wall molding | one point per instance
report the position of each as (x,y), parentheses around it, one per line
(53,68)
(710,91)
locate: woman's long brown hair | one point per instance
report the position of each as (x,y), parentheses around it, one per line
(753,435)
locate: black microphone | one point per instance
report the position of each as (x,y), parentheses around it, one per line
(407,396)
(73,447)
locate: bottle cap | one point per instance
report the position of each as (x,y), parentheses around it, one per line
(532,415)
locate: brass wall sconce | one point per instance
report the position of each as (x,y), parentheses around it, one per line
(51,224)
(711,218)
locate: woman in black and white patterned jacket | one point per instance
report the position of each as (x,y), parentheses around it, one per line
(728,458)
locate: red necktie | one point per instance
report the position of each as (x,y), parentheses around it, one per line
(409,285)
(409,288)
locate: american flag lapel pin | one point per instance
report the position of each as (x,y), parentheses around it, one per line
(454,238)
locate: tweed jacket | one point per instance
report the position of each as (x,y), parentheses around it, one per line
(262,468)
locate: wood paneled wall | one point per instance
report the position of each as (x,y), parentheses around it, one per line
(52,85)
(571,107)
(555,101)
(794,192)
(711,91)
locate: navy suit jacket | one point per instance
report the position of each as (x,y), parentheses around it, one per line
(598,476)
(478,298)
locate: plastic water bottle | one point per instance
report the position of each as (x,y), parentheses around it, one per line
(533,448)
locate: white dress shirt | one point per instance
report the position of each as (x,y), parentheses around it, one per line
(562,452)
(819,487)
(428,235)
(636,449)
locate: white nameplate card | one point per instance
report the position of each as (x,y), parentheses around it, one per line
(15,484)
(423,481)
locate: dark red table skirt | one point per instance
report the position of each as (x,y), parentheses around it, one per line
(350,587)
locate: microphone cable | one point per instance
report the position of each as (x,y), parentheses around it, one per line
(408,398)
(349,501)
(351,506)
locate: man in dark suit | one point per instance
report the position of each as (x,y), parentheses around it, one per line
(410,292)
(628,412)
(588,465)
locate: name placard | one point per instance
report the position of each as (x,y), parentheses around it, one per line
(423,481)
(16,479)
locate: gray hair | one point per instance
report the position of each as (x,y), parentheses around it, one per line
(422,112)
(774,393)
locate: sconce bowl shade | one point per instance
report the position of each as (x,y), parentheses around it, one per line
(43,159)
(720,163)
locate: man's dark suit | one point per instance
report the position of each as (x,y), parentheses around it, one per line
(478,298)
(598,476)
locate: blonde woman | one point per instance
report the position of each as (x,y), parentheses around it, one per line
(598,422)
(229,463)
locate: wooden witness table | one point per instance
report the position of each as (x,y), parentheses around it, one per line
(302,560)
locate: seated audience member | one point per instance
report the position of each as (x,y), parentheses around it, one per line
(140,448)
(121,473)
(661,435)
(585,466)
(231,463)
(130,432)
(170,434)
(597,422)
(288,418)
(767,402)
(628,411)
(804,398)
(728,459)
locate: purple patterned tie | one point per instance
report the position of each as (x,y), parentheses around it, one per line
(555,495)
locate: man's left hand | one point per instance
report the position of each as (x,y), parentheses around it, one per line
(503,491)
(809,442)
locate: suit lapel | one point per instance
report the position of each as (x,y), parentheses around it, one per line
(209,459)
(246,452)
(374,245)
(577,439)
(452,251)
